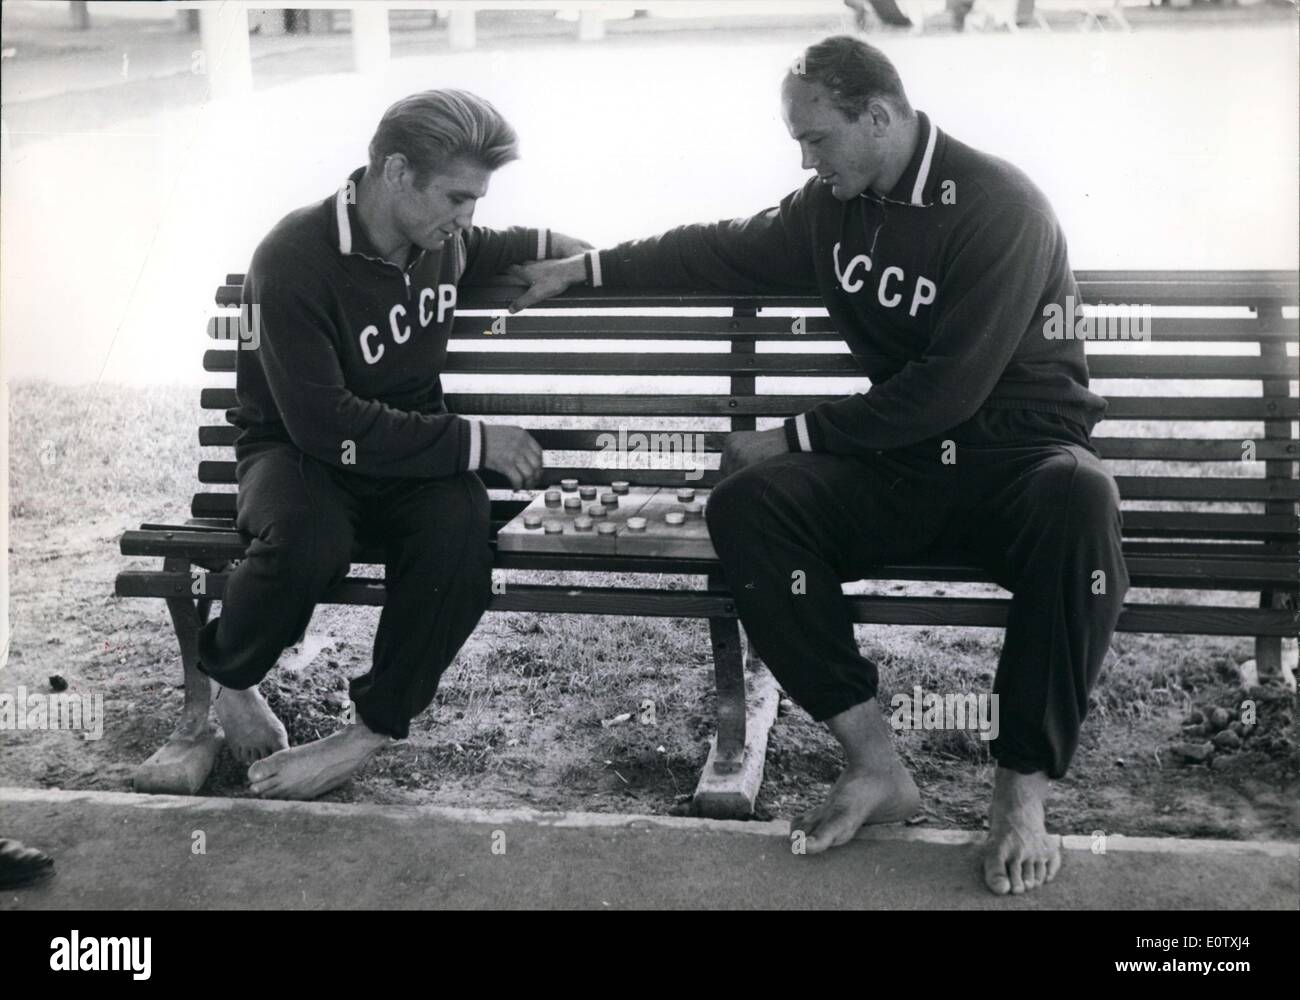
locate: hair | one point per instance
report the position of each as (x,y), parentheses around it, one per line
(434,127)
(853,72)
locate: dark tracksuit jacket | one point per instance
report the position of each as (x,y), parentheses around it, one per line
(345,436)
(939,289)
(352,346)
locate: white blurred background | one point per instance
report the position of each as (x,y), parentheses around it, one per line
(128,192)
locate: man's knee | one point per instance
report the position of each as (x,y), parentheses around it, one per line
(457,520)
(1078,489)
(740,506)
(295,552)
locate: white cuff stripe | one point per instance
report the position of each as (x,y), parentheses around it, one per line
(475,445)
(594,257)
(801,429)
(541,243)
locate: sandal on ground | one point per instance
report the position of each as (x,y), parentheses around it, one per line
(22,866)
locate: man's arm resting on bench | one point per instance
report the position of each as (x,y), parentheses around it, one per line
(767,251)
(488,253)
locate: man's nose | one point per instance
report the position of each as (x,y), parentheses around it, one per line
(809,162)
(465,218)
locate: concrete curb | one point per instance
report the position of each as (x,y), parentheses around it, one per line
(500,817)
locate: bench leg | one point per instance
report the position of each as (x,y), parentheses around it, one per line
(1268,648)
(182,764)
(747,704)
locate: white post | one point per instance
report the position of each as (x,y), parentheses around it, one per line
(461,27)
(4,510)
(370,43)
(591,25)
(227,59)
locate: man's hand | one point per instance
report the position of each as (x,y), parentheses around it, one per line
(744,448)
(511,451)
(567,246)
(545,278)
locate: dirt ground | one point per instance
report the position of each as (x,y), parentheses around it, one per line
(517,720)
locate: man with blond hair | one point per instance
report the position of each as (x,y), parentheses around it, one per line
(346,437)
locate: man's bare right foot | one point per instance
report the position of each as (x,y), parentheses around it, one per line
(252,730)
(873,788)
(859,797)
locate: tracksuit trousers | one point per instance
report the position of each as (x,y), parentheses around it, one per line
(302,519)
(1023,492)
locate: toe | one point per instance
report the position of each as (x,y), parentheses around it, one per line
(1027,873)
(995,876)
(1013,871)
(1040,871)
(261,770)
(1053,865)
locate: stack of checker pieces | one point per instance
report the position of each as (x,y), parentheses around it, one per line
(618,519)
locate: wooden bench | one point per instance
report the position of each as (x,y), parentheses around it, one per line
(1236,529)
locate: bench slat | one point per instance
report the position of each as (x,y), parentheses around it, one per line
(1183,524)
(825,365)
(786,365)
(1127,287)
(778,328)
(223,472)
(1151,563)
(982,612)
(613,405)
(1146,569)
(1211,489)
(1191,450)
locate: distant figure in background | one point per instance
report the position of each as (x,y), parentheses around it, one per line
(886,10)
(959,9)
(890,14)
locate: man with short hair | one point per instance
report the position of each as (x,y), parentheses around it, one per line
(346,438)
(938,264)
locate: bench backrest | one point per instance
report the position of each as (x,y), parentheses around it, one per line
(689,367)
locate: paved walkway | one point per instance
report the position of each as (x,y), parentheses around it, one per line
(118,850)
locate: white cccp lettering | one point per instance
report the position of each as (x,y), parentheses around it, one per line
(446,300)
(844,276)
(404,334)
(426,296)
(891,300)
(370,356)
(922,294)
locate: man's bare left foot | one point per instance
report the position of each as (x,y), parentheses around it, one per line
(1019,854)
(315,768)
(251,728)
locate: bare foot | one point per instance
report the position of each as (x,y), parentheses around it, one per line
(251,728)
(315,768)
(873,788)
(879,795)
(1019,854)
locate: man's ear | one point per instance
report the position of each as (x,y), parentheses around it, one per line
(396,168)
(880,116)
